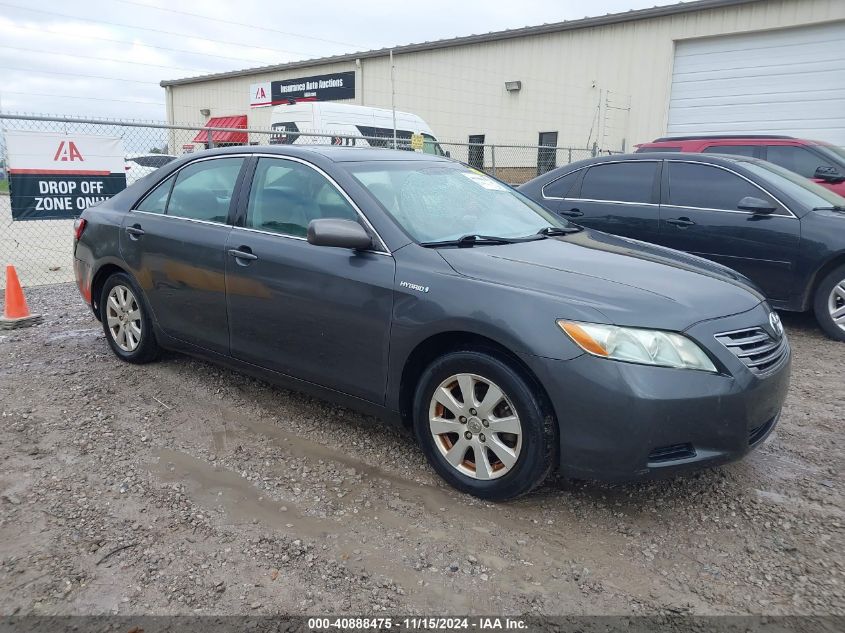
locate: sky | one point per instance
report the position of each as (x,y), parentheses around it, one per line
(106,58)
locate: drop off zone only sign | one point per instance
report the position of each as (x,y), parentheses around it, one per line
(58,176)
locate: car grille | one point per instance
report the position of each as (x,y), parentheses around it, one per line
(755,347)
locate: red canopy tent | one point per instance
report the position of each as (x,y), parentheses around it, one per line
(224,138)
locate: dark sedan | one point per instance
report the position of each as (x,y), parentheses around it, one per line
(780,230)
(412,287)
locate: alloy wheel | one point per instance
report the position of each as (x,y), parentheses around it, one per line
(123,317)
(475,426)
(836,304)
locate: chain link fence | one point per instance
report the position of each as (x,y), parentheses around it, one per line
(41,249)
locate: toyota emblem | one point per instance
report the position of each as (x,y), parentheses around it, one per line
(777,326)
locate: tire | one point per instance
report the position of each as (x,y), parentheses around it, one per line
(120,301)
(515,463)
(830,301)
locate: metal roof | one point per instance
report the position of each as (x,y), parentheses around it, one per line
(494,36)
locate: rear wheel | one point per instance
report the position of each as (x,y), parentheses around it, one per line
(829,304)
(126,320)
(482,426)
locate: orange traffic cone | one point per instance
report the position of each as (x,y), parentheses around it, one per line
(15,311)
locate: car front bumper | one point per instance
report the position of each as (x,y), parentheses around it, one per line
(621,421)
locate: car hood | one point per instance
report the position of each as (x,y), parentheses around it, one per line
(630,282)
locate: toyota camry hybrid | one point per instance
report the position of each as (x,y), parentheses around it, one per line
(414,288)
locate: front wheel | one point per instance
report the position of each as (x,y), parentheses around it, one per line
(482,426)
(126,320)
(829,304)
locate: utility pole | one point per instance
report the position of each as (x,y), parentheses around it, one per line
(393,95)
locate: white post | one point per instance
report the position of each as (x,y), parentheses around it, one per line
(393,96)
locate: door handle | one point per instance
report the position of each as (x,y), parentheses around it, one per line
(572,213)
(243,253)
(135,231)
(681,223)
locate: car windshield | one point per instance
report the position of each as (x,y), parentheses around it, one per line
(802,189)
(441,201)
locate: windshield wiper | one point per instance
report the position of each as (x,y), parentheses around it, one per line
(553,231)
(468,241)
(836,207)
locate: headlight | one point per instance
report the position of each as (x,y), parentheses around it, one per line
(634,345)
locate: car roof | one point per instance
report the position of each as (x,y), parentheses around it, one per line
(716,159)
(337,154)
(720,137)
(148,154)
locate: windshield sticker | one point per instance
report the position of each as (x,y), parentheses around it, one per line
(484,181)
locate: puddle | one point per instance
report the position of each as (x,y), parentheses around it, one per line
(432,499)
(213,487)
(243,503)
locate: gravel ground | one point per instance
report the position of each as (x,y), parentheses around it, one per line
(181,488)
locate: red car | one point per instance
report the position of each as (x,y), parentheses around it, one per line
(820,162)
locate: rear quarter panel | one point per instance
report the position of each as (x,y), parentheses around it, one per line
(99,246)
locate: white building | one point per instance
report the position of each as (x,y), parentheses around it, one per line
(756,66)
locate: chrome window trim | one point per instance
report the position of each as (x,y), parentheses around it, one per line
(623,202)
(384,250)
(771,215)
(174,174)
(609,162)
(730,171)
(179,217)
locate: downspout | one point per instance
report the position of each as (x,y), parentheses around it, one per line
(360,67)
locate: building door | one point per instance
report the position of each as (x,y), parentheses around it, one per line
(475,153)
(779,81)
(546,154)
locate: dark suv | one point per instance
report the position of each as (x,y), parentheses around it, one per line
(821,162)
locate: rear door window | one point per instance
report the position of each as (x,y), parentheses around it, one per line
(798,159)
(562,187)
(708,187)
(156,200)
(203,190)
(620,182)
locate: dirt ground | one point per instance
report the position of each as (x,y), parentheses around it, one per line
(182,488)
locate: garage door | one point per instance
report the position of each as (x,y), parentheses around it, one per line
(789,81)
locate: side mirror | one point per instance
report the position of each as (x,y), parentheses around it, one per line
(448,154)
(756,205)
(828,174)
(338,233)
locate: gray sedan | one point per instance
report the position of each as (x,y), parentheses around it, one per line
(510,342)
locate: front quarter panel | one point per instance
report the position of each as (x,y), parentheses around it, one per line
(431,299)
(822,243)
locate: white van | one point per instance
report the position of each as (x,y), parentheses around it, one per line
(372,127)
